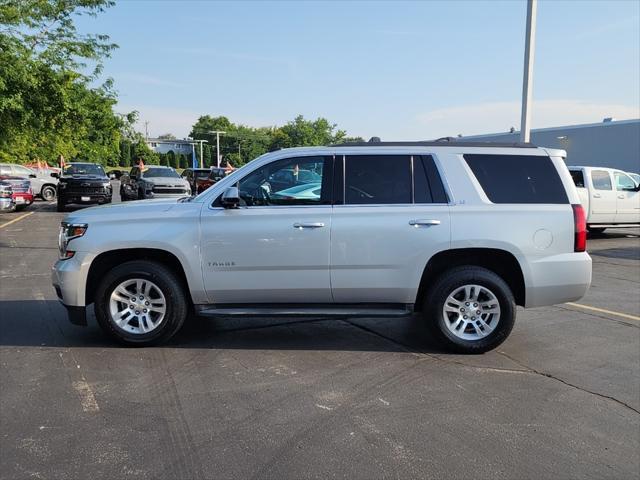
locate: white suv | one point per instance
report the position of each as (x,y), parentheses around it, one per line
(458,233)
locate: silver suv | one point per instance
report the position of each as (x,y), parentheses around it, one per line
(457,233)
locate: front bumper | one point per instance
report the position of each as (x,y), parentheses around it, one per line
(79,198)
(69,280)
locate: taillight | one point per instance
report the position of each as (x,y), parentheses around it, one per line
(580,228)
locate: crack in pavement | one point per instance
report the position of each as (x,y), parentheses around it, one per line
(582,389)
(527,368)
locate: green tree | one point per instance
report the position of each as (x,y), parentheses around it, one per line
(48,106)
(125,153)
(172,159)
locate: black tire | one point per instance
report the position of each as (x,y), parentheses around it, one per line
(458,277)
(60,205)
(20,208)
(48,193)
(123,197)
(169,284)
(140,194)
(596,230)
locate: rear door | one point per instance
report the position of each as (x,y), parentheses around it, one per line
(390,216)
(603,201)
(628,199)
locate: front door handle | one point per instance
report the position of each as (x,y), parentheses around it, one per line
(423,223)
(300,226)
(621,196)
(596,195)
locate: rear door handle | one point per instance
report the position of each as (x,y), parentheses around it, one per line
(300,226)
(423,223)
(621,196)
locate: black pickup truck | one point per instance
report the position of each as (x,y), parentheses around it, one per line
(82,183)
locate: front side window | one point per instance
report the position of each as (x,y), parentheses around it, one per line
(601,180)
(518,178)
(292,181)
(377,179)
(624,182)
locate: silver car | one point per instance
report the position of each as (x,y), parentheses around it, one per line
(153,182)
(7,204)
(42,183)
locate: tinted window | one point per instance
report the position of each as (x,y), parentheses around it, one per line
(601,180)
(517,178)
(427,184)
(293,181)
(624,182)
(377,179)
(578,178)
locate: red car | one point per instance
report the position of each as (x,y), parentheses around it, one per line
(215,174)
(22,193)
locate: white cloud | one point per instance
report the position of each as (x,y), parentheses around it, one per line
(496,117)
(163,120)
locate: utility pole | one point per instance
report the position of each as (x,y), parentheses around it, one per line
(201,156)
(218,133)
(146,130)
(527,81)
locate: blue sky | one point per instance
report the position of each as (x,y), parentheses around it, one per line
(398,70)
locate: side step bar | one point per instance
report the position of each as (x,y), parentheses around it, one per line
(284,310)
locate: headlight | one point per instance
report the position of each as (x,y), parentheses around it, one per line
(69,231)
(106,185)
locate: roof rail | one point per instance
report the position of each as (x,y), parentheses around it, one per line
(441,142)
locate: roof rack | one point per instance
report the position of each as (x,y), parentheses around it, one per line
(441,142)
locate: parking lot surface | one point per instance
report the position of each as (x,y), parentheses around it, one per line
(314,398)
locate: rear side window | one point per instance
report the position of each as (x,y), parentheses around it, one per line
(427,184)
(578,178)
(377,179)
(518,178)
(601,180)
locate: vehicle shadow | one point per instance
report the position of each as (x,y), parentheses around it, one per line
(43,323)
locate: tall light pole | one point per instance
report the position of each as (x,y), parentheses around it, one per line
(201,156)
(527,81)
(218,133)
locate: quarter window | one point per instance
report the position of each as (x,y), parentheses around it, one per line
(293,181)
(601,180)
(377,179)
(518,178)
(578,178)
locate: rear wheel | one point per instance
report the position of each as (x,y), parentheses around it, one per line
(48,193)
(19,208)
(141,303)
(470,309)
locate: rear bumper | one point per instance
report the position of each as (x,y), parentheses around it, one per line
(558,279)
(22,198)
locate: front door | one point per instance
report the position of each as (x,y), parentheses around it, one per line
(275,247)
(394,216)
(628,202)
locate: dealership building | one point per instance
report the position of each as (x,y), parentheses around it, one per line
(611,143)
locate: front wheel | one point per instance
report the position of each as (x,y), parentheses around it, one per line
(141,303)
(470,309)
(60,204)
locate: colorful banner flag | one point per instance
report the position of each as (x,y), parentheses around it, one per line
(195,159)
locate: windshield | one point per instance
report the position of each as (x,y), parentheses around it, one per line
(201,173)
(84,169)
(160,172)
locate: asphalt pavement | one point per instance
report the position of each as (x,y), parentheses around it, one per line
(314,398)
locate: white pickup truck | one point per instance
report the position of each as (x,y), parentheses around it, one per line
(610,197)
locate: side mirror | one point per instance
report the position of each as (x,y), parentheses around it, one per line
(231,198)
(112,176)
(33,175)
(55,175)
